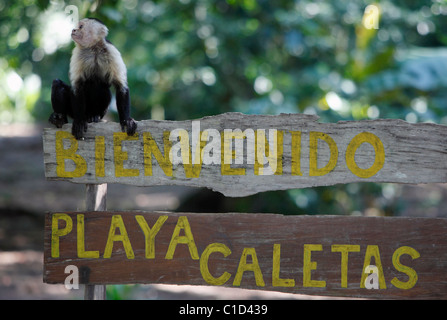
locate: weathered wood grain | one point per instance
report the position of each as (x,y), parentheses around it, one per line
(362,151)
(411,252)
(95,200)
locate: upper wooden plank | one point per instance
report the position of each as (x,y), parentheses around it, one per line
(239,154)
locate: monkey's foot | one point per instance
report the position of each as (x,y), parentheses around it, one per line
(58,119)
(130,125)
(78,129)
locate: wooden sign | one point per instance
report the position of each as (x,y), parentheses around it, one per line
(375,257)
(239,155)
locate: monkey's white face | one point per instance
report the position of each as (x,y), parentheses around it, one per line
(78,34)
(88,33)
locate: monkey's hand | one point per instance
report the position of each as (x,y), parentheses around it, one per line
(130,125)
(79,128)
(58,119)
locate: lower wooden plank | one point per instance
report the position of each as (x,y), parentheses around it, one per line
(320,255)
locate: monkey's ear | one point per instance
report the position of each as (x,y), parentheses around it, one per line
(103,31)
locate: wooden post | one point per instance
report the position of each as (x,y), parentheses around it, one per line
(96,195)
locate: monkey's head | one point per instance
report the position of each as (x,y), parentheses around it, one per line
(89,32)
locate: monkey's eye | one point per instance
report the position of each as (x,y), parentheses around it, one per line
(80,27)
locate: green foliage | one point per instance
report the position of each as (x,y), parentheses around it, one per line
(191,58)
(121,292)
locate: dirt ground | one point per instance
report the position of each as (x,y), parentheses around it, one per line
(25,196)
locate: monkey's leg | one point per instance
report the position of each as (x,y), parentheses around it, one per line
(61,102)
(80,118)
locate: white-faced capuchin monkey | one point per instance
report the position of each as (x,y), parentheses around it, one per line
(95,66)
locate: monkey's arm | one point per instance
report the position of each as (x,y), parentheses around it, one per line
(61,97)
(123,106)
